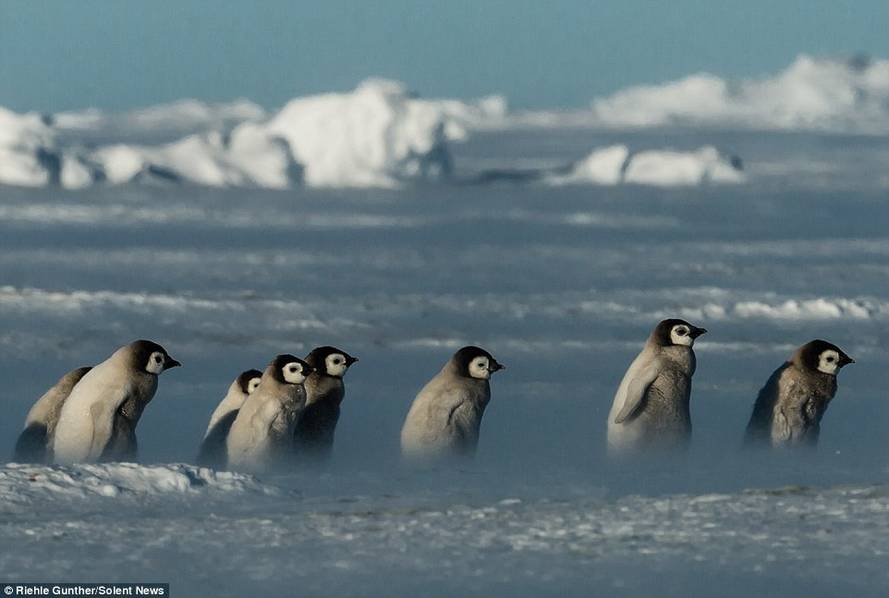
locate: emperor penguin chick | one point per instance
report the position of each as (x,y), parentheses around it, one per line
(212,451)
(262,434)
(651,407)
(445,417)
(89,427)
(325,391)
(790,406)
(33,444)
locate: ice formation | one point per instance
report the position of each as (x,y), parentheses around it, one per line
(378,135)
(615,164)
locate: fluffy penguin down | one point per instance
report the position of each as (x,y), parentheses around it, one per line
(24,484)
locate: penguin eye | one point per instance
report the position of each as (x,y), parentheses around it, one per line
(292,369)
(681,331)
(830,360)
(157,359)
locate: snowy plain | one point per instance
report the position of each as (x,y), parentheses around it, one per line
(525,248)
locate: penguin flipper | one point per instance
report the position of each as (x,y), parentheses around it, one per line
(31,445)
(781,430)
(636,392)
(100,434)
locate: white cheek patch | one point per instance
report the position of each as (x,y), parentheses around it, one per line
(335,369)
(684,340)
(296,376)
(829,362)
(480,368)
(155,363)
(252,385)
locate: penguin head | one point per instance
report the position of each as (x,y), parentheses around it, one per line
(824,357)
(288,369)
(330,361)
(249,380)
(150,357)
(475,362)
(676,332)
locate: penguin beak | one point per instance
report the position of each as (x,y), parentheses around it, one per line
(496,367)
(171,363)
(696,332)
(846,360)
(350,360)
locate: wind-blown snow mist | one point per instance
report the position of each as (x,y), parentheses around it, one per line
(400,229)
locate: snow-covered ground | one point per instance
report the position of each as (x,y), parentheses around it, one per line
(559,264)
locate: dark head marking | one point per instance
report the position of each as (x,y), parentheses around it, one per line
(464,357)
(245,378)
(318,358)
(142,351)
(809,355)
(279,362)
(662,332)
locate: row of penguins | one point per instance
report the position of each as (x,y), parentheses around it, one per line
(293,407)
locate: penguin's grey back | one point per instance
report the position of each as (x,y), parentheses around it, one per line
(445,417)
(212,451)
(789,408)
(314,431)
(35,441)
(123,446)
(759,428)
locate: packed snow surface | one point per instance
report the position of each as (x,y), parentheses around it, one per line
(23,486)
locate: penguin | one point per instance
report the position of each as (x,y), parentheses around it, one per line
(325,391)
(33,444)
(651,407)
(212,451)
(97,421)
(445,417)
(790,406)
(262,434)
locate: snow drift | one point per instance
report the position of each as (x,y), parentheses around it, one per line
(811,94)
(663,168)
(23,484)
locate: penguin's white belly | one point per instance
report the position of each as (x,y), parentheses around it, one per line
(251,441)
(87,417)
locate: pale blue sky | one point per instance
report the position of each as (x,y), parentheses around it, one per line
(116,54)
